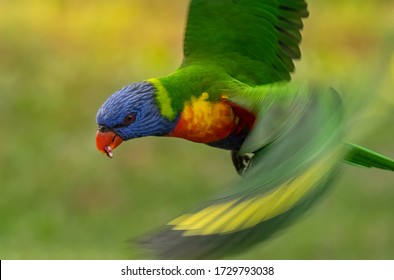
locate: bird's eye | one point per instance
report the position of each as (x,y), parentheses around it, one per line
(129,119)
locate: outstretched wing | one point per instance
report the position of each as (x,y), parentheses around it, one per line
(253,40)
(285,177)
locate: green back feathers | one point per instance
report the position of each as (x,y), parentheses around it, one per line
(254,41)
(232,44)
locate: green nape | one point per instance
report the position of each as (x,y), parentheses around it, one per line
(362,156)
(172,91)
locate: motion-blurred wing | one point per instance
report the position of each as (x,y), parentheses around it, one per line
(285,177)
(253,40)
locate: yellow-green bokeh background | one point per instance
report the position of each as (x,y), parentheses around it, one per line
(61,199)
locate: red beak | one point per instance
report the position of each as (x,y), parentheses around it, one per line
(107,141)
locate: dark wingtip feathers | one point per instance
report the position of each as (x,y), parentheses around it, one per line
(288,26)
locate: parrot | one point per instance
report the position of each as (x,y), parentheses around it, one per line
(233,91)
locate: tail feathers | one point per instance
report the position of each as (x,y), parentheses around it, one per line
(362,156)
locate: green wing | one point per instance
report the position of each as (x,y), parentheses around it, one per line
(254,41)
(283,180)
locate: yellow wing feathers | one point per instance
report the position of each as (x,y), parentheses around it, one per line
(240,214)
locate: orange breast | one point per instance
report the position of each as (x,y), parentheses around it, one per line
(205,122)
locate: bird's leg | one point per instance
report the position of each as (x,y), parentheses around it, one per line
(241,162)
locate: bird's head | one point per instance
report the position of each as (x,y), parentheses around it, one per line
(130,113)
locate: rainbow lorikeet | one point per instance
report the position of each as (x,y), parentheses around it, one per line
(232,91)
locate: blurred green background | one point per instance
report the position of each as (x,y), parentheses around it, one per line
(61,199)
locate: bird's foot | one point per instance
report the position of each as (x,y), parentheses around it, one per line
(241,162)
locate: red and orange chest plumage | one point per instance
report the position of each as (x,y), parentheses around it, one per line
(221,124)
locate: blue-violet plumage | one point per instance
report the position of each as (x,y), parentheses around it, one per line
(139,100)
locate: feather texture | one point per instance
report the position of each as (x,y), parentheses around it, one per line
(252,40)
(231,92)
(283,180)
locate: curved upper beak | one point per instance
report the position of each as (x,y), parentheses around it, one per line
(107,141)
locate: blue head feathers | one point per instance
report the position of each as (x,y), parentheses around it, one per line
(133,112)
